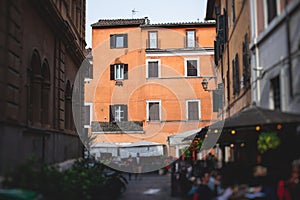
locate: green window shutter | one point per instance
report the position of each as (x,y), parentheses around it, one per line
(112,72)
(125,71)
(125,41)
(112,41)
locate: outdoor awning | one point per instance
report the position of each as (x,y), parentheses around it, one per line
(254,115)
(143,143)
(144,148)
(104,145)
(181,138)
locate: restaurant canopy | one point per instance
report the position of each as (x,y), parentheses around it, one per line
(247,120)
(253,116)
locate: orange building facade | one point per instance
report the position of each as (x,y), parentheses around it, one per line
(147,80)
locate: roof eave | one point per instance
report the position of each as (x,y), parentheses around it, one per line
(210,10)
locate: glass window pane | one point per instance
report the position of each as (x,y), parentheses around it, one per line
(119,41)
(119,72)
(153,69)
(193,111)
(153,111)
(152,39)
(192,68)
(190,38)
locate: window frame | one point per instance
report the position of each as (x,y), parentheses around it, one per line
(119,71)
(112,112)
(149,39)
(266,13)
(275,93)
(185,66)
(187,109)
(148,110)
(187,38)
(114,72)
(158,67)
(113,40)
(90,104)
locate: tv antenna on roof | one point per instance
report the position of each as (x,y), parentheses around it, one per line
(133,12)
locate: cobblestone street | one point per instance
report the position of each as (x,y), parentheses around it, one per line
(151,186)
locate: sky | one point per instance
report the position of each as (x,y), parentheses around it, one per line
(158,11)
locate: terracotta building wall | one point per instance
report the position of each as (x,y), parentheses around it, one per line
(172,89)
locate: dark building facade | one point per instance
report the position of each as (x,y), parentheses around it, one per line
(41,49)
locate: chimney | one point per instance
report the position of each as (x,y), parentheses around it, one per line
(147,21)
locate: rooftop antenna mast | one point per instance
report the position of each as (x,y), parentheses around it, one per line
(133,12)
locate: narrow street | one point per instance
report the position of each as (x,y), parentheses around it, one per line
(151,186)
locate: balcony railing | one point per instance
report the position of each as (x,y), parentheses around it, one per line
(126,126)
(191,43)
(152,44)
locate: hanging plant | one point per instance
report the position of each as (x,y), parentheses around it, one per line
(186,152)
(267,141)
(196,145)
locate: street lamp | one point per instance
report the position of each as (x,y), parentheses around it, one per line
(205,84)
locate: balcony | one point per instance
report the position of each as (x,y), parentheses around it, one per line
(152,44)
(188,43)
(117,127)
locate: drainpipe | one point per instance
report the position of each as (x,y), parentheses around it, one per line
(287,22)
(228,63)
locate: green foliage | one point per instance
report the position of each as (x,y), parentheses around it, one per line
(267,141)
(84,180)
(186,152)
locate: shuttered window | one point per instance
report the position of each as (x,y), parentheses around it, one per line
(192,67)
(118,41)
(118,71)
(152,69)
(118,113)
(233,10)
(246,62)
(193,110)
(235,75)
(153,110)
(218,98)
(87,113)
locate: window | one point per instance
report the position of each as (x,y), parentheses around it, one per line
(153,69)
(153,110)
(271,9)
(68,106)
(152,40)
(218,98)
(192,67)
(275,102)
(235,75)
(193,110)
(45,93)
(233,10)
(118,71)
(34,90)
(118,41)
(118,113)
(246,62)
(190,38)
(87,114)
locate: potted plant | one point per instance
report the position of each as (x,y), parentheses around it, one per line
(267,141)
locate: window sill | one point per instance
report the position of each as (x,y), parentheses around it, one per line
(119,48)
(153,77)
